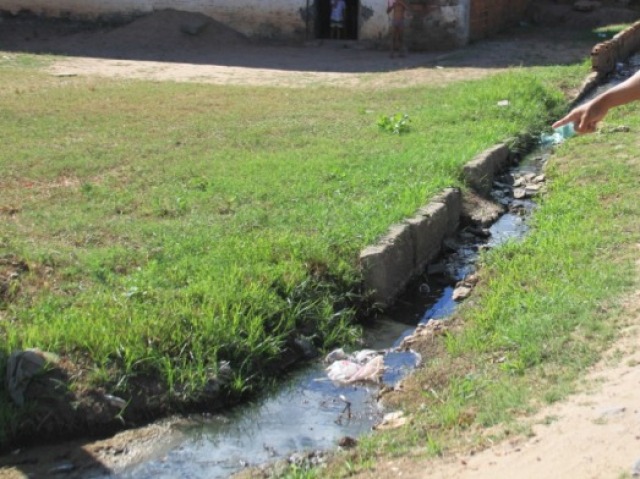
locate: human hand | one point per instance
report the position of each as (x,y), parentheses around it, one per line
(585,118)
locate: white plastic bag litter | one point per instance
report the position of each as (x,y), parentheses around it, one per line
(371,371)
(365,365)
(341,371)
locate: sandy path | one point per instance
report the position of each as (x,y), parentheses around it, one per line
(240,75)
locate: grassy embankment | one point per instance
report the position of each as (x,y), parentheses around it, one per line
(154,230)
(545,309)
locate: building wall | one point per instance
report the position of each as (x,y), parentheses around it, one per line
(488,17)
(283,19)
(438,24)
(432,24)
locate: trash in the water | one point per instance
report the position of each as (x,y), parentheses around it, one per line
(366,365)
(558,136)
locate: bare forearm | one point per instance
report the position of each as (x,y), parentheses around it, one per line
(587,116)
(626,92)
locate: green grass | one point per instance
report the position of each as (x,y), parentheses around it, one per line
(169,227)
(545,309)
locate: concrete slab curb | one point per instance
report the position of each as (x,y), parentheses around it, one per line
(406,250)
(479,172)
(606,55)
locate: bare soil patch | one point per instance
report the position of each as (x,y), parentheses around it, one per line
(170,45)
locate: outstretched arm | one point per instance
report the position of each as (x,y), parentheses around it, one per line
(586,117)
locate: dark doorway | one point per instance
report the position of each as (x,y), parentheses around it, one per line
(323,16)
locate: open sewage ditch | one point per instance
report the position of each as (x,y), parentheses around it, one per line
(330,402)
(312,414)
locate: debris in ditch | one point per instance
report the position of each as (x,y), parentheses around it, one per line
(362,366)
(431,329)
(461,292)
(62,468)
(347,442)
(392,420)
(115,401)
(23,367)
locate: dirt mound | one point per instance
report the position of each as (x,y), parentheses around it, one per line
(162,35)
(172,29)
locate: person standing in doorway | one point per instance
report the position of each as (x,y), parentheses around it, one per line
(397,10)
(338,8)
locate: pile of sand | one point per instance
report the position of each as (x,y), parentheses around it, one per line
(164,34)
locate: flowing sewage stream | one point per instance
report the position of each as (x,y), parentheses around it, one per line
(312,413)
(309,414)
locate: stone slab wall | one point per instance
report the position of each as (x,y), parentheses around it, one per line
(407,248)
(606,55)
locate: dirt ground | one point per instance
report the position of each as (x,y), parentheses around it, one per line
(593,434)
(156,48)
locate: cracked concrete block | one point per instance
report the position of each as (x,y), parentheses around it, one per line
(479,172)
(452,198)
(387,266)
(428,229)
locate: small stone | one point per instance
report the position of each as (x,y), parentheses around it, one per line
(62,468)
(22,367)
(611,411)
(532,190)
(461,292)
(115,401)
(621,129)
(519,193)
(347,442)
(392,420)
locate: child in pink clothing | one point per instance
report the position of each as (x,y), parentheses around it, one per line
(397,9)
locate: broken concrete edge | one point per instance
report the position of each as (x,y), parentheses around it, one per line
(408,247)
(605,55)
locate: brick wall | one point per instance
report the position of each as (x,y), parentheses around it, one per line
(438,24)
(489,17)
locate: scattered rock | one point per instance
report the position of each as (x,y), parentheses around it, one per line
(392,420)
(461,292)
(621,129)
(347,442)
(519,193)
(433,328)
(62,468)
(23,367)
(611,411)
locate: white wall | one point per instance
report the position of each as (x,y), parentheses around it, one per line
(274,18)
